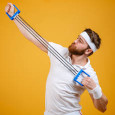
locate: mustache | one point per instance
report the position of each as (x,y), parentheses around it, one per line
(72,44)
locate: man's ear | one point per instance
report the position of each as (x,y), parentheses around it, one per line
(88,51)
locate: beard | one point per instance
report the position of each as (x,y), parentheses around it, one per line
(73,50)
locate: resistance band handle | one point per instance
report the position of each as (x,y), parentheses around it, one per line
(76,77)
(15,14)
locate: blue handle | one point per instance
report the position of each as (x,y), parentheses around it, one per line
(76,77)
(18,11)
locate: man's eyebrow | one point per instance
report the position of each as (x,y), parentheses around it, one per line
(81,39)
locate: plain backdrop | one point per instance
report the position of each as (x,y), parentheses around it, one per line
(24,67)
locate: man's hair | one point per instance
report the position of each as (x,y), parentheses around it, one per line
(94,38)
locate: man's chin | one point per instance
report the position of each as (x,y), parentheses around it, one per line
(76,52)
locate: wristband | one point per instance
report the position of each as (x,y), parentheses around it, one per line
(97,93)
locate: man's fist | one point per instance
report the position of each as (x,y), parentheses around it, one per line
(10,9)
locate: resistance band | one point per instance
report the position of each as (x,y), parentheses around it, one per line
(47,45)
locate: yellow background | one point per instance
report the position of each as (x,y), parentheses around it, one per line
(24,67)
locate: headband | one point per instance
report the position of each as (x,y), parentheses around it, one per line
(88,40)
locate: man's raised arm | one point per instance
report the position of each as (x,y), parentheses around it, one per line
(10,10)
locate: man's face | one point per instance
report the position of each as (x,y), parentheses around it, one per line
(79,46)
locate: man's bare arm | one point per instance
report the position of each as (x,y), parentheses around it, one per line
(100,104)
(10,9)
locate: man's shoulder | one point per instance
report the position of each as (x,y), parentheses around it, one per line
(90,70)
(63,51)
(56,45)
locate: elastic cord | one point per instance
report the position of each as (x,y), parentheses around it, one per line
(45,44)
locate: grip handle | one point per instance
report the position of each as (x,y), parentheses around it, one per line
(15,14)
(79,73)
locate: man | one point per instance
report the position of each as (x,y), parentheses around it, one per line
(62,93)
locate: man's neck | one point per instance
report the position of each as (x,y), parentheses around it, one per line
(79,60)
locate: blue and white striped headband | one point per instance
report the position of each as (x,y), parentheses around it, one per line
(88,40)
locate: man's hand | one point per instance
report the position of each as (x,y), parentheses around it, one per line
(10,9)
(88,83)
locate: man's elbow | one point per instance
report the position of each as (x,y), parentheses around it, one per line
(103,110)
